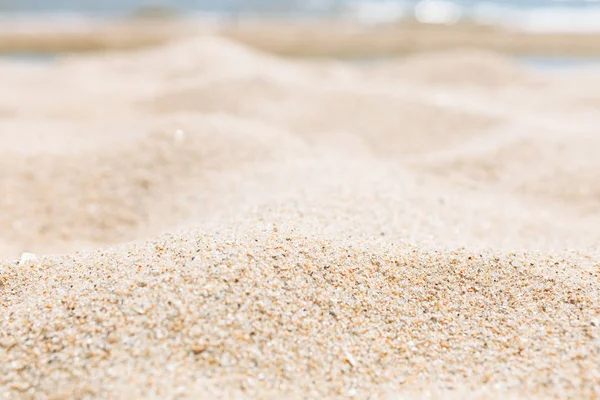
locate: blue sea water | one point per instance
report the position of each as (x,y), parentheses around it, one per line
(557,63)
(30,57)
(529,14)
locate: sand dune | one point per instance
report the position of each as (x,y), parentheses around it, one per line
(205,57)
(112,194)
(214,222)
(319,113)
(222,96)
(566,169)
(477,68)
(300,315)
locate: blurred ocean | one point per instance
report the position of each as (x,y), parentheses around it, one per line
(530,15)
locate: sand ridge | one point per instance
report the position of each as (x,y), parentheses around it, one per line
(211,221)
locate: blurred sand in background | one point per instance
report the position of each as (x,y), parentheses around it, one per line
(329,38)
(284,228)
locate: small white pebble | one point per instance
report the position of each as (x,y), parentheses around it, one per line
(26,257)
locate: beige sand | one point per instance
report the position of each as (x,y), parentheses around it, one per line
(300,38)
(347,39)
(214,222)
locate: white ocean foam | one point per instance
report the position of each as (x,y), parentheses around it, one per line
(438,12)
(553,18)
(371,12)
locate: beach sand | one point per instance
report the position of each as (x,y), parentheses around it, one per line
(329,37)
(210,221)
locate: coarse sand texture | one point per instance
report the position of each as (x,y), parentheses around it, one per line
(201,220)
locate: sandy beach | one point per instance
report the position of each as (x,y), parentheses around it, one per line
(328,38)
(211,221)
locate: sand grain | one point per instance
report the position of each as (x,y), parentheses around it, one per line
(228,224)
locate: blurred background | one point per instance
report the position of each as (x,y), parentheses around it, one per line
(535,15)
(315,28)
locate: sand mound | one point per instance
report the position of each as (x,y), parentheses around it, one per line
(566,94)
(223,97)
(204,57)
(119,193)
(31,136)
(381,123)
(279,311)
(387,125)
(460,68)
(554,169)
(300,232)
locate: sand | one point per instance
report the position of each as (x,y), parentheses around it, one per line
(341,37)
(210,221)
